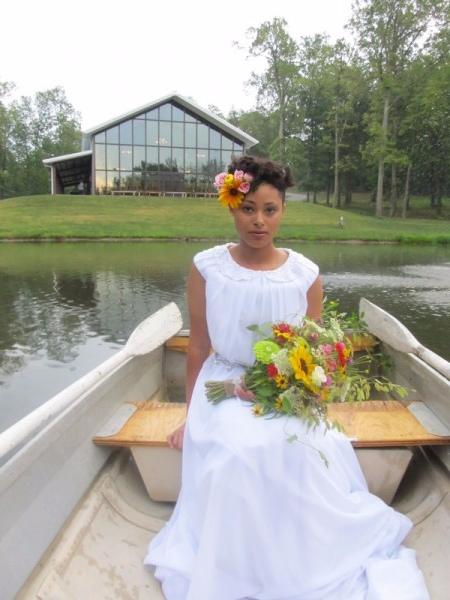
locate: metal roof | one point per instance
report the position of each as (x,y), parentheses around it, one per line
(72,168)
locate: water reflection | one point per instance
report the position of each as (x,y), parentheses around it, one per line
(67,307)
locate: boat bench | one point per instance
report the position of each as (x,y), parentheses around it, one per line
(382,432)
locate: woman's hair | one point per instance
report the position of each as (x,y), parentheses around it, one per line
(263,170)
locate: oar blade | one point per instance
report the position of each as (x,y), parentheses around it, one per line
(155,330)
(387,328)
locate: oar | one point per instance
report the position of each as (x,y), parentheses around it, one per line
(390,330)
(147,336)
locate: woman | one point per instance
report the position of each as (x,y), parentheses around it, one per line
(259,518)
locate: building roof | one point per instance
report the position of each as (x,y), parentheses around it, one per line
(210,117)
(72,168)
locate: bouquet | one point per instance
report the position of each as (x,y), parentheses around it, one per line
(299,370)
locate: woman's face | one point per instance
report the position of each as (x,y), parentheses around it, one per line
(259,216)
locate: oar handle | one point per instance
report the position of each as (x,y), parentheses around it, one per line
(434,360)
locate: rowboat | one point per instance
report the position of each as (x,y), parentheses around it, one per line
(87,479)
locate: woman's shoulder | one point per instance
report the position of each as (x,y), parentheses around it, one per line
(210,256)
(300,261)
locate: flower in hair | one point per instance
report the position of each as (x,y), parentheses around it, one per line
(232,187)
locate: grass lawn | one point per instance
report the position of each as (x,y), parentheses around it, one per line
(90,217)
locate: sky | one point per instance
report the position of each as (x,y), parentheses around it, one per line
(112,56)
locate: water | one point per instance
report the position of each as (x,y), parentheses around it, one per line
(67,307)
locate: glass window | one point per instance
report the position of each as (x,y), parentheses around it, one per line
(152,159)
(203,135)
(165,112)
(214,138)
(100,156)
(190,130)
(152,115)
(126,180)
(177,134)
(100,182)
(112,180)
(165,133)
(178,159)
(177,114)
(189,118)
(139,158)
(238,148)
(152,133)
(112,135)
(126,136)
(100,138)
(226,157)
(190,161)
(165,157)
(139,132)
(215,157)
(126,158)
(227,144)
(112,157)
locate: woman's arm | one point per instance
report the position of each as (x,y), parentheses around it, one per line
(315,300)
(199,345)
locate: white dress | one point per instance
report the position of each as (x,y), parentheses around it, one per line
(258,517)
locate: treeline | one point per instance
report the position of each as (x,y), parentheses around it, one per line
(370,112)
(32,129)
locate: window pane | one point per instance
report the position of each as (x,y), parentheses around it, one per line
(216,158)
(126,154)
(238,148)
(227,144)
(139,132)
(165,157)
(152,159)
(226,157)
(165,133)
(165,112)
(178,159)
(125,133)
(177,134)
(139,158)
(214,138)
(152,133)
(100,156)
(189,118)
(112,157)
(152,115)
(203,135)
(100,182)
(112,180)
(190,135)
(190,161)
(112,135)
(100,138)
(126,180)
(177,114)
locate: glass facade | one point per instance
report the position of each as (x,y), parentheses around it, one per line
(165,150)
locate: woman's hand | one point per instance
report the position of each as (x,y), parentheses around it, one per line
(243,393)
(175,439)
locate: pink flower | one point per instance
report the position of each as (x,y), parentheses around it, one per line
(218,181)
(332,365)
(244,187)
(326,349)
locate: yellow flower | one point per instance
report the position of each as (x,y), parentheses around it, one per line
(257,411)
(279,404)
(281,381)
(302,363)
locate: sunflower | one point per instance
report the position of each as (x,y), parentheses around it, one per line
(302,363)
(232,187)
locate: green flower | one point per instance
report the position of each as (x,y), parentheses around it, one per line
(264,351)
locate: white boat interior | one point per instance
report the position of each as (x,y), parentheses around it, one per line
(76,517)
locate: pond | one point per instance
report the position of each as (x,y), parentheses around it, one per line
(66,307)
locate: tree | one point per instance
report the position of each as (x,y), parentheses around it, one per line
(276,86)
(6,87)
(390,35)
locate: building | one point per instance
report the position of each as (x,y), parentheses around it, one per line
(168,147)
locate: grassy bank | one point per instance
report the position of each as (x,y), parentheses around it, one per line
(91,217)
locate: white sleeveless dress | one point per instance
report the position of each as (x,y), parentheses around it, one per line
(258,517)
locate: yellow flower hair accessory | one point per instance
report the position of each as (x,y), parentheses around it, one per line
(232,187)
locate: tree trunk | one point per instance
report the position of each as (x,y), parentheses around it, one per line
(405,202)
(336,162)
(380,181)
